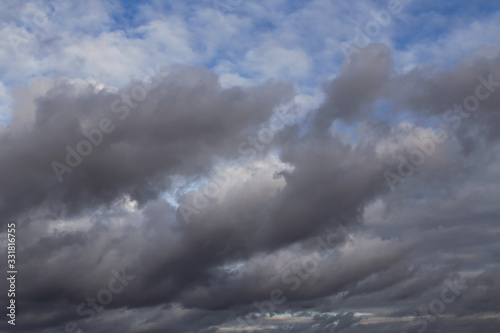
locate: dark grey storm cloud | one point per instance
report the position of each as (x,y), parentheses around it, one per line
(179,123)
(359,84)
(309,238)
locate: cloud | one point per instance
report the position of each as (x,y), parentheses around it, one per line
(186,121)
(278,152)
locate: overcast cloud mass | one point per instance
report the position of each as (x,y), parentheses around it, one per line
(228,166)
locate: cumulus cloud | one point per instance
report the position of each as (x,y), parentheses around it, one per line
(224,195)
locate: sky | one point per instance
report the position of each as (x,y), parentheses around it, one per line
(224,166)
